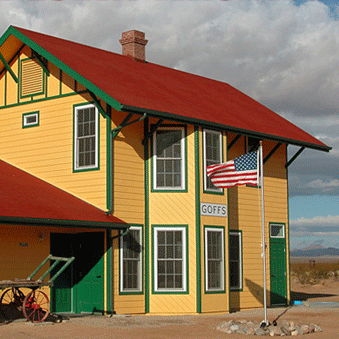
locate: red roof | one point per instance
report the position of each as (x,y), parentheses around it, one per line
(27,199)
(165,92)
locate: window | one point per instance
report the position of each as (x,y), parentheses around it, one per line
(212,155)
(131,261)
(235,254)
(169,159)
(86,137)
(277,231)
(170,259)
(32,78)
(214,259)
(30,119)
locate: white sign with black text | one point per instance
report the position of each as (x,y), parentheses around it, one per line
(213,210)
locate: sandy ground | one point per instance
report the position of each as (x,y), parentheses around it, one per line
(321,310)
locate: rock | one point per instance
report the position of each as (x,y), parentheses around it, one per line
(261,331)
(234,327)
(305,329)
(294,333)
(286,330)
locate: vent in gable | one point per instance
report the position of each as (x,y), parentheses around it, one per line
(32,78)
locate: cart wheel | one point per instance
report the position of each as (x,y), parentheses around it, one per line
(11,303)
(36,306)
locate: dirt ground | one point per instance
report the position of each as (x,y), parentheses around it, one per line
(320,307)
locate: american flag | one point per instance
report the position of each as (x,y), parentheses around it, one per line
(243,170)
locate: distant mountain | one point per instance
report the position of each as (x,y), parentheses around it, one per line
(315,251)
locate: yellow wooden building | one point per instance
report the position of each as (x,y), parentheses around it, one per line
(103,157)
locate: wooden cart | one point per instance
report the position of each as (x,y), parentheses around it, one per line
(35,305)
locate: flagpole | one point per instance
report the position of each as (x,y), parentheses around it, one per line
(263,229)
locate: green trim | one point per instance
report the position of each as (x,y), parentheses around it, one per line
(43,66)
(213,125)
(205,259)
(8,67)
(109,285)
(60,82)
(61,223)
(43,99)
(140,228)
(94,168)
(109,177)
(235,289)
(20,81)
(212,191)
(31,125)
(197,216)
(76,76)
(167,190)
(147,229)
(5,98)
(187,261)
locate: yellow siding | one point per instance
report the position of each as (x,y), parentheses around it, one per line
(213,302)
(245,215)
(177,209)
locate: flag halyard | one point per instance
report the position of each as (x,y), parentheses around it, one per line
(243,170)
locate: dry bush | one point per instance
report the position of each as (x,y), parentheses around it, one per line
(312,273)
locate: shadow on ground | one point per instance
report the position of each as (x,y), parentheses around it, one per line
(304,296)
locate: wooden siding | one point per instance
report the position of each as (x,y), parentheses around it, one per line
(245,215)
(176,209)
(213,302)
(46,151)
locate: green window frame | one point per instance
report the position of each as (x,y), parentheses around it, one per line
(131,261)
(86,137)
(214,259)
(30,119)
(170,259)
(212,155)
(169,159)
(235,260)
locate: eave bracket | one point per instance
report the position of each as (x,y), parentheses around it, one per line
(8,67)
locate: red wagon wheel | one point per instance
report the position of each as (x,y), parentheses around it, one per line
(11,303)
(36,306)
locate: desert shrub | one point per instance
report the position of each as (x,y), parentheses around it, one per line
(314,272)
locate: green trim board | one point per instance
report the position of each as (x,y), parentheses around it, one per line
(109,272)
(197,216)
(31,119)
(241,280)
(215,229)
(213,125)
(50,57)
(185,175)
(8,67)
(147,228)
(141,275)
(185,269)
(61,223)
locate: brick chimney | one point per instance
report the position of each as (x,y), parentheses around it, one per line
(133,44)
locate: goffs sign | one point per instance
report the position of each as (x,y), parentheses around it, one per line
(213,210)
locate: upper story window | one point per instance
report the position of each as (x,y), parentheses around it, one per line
(169,159)
(86,137)
(31,78)
(212,156)
(30,119)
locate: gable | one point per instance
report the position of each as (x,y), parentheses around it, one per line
(163,92)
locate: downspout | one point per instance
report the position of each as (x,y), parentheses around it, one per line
(113,133)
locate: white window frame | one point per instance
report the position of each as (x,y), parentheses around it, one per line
(205,131)
(277,236)
(239,235)
(183,161)
(222,271)
(184,258)
(129,290)
(26,116)
(76,150)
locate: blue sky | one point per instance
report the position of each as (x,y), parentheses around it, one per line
(283,53)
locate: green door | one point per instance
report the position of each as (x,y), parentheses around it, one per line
(89,288)
(80,288)
(278,270)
